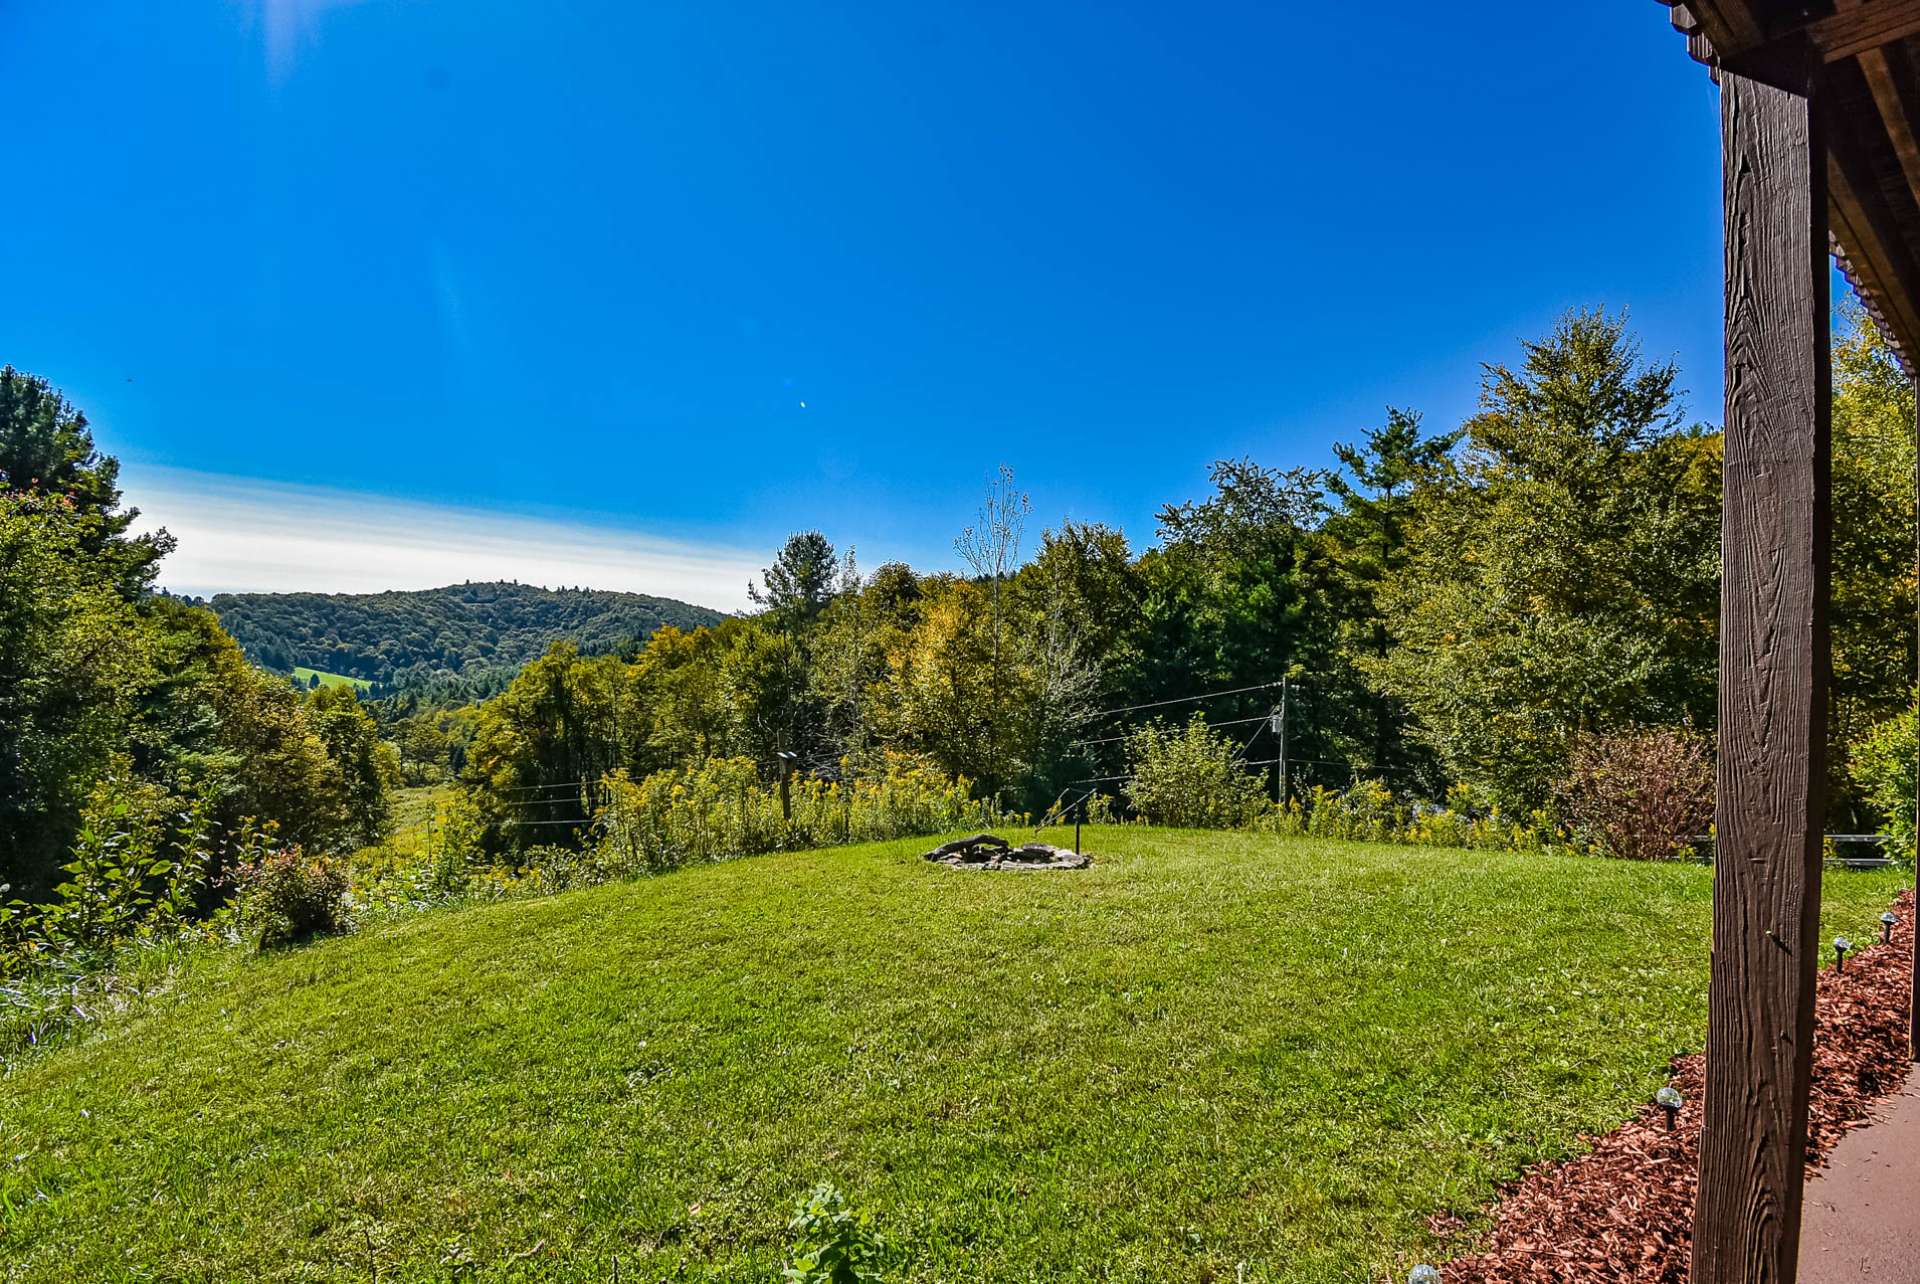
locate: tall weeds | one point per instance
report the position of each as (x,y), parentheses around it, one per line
(721,809)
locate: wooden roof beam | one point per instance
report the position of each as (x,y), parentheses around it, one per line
(1718,25)
(1852,32)
(1863,223)
(1699,44)
(1733,34)
(1894,93)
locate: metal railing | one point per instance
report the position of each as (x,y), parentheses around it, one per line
(1850,851)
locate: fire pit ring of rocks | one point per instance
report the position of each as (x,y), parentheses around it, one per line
(985,851)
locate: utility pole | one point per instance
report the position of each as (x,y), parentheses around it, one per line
(787,759)
(1273,725)
(1280,767)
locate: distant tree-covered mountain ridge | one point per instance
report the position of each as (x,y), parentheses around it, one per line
(463,641)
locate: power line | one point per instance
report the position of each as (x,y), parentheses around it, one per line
(1270,762)
(561,800)
(1236,722)
(1105,780)
(1357,768)
(1262,720)
(1192,699)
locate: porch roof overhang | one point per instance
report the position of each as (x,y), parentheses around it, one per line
(1870,51)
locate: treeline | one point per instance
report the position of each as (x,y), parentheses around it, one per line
(442,646)
(1454,612)
(122,710)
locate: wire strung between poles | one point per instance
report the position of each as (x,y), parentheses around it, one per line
(1192,699)
(1108,740)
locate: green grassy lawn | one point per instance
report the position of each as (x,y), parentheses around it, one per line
(412,806)
(304,676)
(1207,1050)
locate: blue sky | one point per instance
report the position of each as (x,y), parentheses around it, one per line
(667,281)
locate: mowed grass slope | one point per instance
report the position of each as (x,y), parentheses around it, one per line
(305,676)
(1207,1050)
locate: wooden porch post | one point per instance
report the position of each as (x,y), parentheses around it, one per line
(1773,683)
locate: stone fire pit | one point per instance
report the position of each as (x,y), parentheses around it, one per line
(984,851)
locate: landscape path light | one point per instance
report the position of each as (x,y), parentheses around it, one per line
(1840,947)
(1424,1274)
(1670,1100)
(1887,920)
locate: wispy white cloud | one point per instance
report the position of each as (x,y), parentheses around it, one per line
(288,27)
(241,535)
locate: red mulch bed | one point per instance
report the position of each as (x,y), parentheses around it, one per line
(1623,1212)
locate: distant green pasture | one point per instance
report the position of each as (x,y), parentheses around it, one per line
(304,676)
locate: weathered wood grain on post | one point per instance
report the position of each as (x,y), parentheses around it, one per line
(1773,681)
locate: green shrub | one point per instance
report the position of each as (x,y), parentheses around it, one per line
(440,861)
(139,859)
(1289,820)
(902,798)
(1365,812)
(1468,819)
(710,811)
(1883,769)
(720,809)
(689,815)
(1368,811)
(1190,777)
(285,896)
(831,1244)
